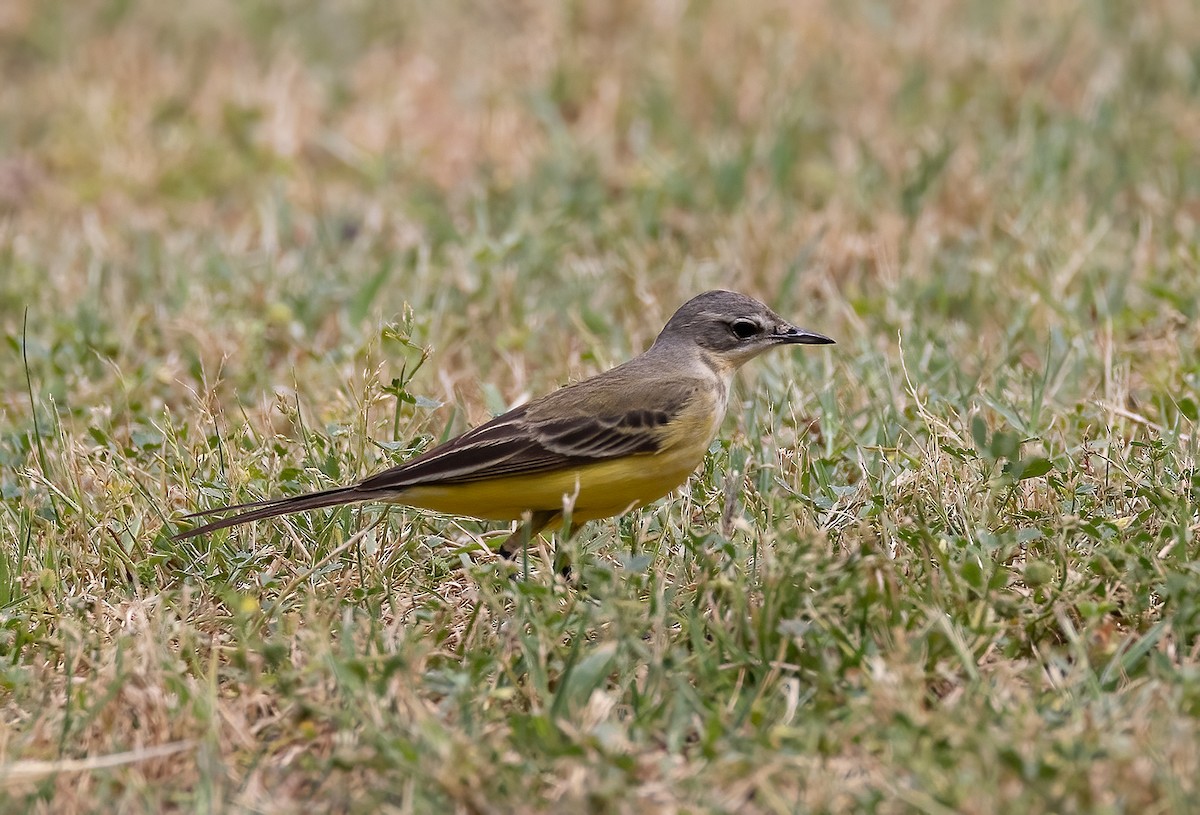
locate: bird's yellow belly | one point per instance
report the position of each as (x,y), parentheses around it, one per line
(596,490)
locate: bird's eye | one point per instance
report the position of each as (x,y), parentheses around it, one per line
(744,329)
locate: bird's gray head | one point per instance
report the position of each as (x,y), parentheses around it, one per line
(732,328)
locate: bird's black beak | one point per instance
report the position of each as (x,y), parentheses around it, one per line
(793,335)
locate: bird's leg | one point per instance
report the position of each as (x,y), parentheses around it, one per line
(519,541)
(561,562)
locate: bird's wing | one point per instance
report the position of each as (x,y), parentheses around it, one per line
(518,444)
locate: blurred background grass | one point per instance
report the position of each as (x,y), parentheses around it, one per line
(948,565)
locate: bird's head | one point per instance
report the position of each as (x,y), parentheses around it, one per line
(731,328)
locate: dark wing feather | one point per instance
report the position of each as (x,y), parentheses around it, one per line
(514,444)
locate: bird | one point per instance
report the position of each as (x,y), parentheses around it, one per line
(594,449)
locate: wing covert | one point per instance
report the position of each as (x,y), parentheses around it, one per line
(515,444)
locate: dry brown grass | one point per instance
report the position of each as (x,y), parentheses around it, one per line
(993,207)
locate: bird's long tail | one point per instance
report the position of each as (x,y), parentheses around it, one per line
(258,510)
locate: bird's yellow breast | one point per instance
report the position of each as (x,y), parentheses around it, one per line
(598,490)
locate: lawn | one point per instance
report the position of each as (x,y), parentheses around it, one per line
(256,248)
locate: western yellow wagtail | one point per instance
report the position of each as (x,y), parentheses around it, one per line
(600,447)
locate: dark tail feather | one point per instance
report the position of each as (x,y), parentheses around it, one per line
(258,510)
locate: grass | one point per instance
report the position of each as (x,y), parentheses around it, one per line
(948,565)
